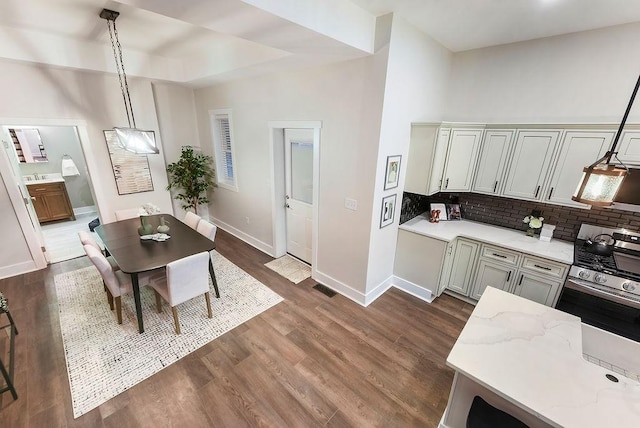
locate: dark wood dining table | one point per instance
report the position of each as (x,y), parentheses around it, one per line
(134,255)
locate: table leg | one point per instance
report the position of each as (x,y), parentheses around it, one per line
(136,297)
(213,278)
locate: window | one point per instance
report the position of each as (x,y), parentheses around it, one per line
(221,125)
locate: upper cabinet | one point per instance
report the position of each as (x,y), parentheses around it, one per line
(439,158)
(530,163)
(629,147)
(462,155)
(578,149)
(493,159)
(421,158)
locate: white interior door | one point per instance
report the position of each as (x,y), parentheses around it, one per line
(299,192)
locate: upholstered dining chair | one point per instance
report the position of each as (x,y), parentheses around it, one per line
(192,220)
(117,282)
(87,239)
(127,214)
(207,229)
(184,279)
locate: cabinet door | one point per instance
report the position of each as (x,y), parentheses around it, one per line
(578,149)
(536,288)
(462,266)
(530,162)
(629,147)
(58,204)
(446,267)
(491,165)
(491,274)
(439,158)
(41,207)
(420,159)
(462,156)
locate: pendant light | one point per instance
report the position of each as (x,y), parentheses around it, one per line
(131,139)
(601,181)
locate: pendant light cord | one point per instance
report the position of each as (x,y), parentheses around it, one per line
(122,75)
(612,152)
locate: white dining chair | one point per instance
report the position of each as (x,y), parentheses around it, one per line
(192,220)
(207,229)
(117,282)
(127,214)
(183,280)
(87,239)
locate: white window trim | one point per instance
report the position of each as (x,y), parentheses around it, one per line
(217,150)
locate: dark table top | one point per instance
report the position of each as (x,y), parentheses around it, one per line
(135,255)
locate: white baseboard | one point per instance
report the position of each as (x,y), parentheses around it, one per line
(17,269)
(340,287)
(85,210)
(262,246)
(371,296)
(413,289)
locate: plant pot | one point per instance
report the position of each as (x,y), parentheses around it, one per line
(145,227)
(531,231)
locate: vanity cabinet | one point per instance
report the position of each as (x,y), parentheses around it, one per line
(492,161)
(51,201)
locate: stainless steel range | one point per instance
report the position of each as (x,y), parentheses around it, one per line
(603,286)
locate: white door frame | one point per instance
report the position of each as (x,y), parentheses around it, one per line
(276,150)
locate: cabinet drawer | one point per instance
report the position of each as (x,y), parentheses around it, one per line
(500,254)
(543,266)
(35,189)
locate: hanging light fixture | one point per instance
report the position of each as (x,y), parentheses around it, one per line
(131,139)
(601,180)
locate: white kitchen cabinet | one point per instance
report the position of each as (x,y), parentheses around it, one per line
(439,158)
(462,266)
(462,155)
(491,274)
(537,288)
(492,161)
(578,149)
(419,259)
(530,163)
(446,267)
(629,147)
(422,148)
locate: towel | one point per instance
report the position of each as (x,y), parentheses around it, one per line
(69,167)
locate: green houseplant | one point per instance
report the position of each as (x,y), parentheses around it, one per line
(192,175)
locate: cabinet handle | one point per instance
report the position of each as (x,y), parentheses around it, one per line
(542,267)
(40,189)
(521,278)
(509,276)
(495,186)
(33,198)
(446,183)
(537,191)
(499,255)
(550,193)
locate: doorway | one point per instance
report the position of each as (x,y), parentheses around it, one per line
(295,152)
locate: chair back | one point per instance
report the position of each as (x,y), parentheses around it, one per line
(192,220)
(87,239)
(104,267)
(127,214)
(187,278)
(207,229)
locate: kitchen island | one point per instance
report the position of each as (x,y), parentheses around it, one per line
(527,360)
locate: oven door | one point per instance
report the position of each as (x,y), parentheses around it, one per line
(600,309)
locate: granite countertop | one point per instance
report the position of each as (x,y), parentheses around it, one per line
(531,355)
(560,251)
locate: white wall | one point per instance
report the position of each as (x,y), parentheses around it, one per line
(347,98)
(416,84)
(577,78)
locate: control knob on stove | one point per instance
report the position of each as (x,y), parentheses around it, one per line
(584,274)
(600,278)
(629,286)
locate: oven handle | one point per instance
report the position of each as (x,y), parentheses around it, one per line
(588,288)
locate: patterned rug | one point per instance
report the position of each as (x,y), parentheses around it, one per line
(291,268)
(105,359)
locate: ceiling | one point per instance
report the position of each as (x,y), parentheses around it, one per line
(200,42)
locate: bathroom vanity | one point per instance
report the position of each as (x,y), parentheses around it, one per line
(49,196)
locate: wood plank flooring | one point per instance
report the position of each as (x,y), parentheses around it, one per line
(310,361)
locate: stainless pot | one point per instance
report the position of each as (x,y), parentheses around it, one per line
(601,245)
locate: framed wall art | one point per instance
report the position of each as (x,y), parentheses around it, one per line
(392,173)
(131,170)
(388,210)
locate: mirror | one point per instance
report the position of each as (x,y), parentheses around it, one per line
(28,145)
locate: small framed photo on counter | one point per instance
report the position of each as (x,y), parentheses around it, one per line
(392,174)
(388,210)
(453,212)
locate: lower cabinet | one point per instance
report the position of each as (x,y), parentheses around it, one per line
(491,274)
(419,259)
(537,288)
(462,266)
(51,201)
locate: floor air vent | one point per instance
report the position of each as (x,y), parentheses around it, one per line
(324,290)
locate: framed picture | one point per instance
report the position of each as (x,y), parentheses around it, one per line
(388,210)
(392,174)
(453,212)
(131,170)
(438,212)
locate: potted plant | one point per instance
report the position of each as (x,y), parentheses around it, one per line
(192,175)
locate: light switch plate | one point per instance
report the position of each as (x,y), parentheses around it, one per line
(350,204)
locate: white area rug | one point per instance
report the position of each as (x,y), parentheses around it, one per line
(105,359)
(291,268)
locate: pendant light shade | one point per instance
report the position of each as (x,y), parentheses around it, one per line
(601,180)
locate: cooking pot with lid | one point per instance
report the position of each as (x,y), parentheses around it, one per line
(601,245)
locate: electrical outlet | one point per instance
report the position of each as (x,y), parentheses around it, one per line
(350,204)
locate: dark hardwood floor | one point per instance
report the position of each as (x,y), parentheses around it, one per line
(310,361)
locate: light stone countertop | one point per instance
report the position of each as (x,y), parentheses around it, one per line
(557,250)
(52,177)
(531,355)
